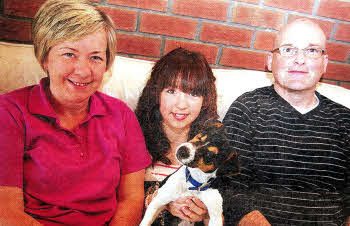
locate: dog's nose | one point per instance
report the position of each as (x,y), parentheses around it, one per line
(183,153)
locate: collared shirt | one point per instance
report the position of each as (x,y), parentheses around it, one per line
(68,176)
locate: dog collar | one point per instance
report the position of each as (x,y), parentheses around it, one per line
(198,186)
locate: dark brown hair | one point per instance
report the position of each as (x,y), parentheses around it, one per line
(188,71)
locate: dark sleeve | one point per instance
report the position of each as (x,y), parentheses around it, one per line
(347,192)
(235,189)
(347,186)
(344,131)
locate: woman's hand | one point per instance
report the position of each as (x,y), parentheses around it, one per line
(188,208)
(12,208)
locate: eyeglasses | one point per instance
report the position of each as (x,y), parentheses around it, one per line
(291,51)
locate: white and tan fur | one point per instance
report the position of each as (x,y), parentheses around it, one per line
(202,156)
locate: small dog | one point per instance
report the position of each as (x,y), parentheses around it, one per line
(202,157)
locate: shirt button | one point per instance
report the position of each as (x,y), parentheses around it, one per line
(81,154)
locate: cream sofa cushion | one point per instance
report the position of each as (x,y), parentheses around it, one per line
(18,67)
(127,77)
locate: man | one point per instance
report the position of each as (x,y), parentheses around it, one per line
(293,143)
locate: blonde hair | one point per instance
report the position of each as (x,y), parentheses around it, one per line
(69,20)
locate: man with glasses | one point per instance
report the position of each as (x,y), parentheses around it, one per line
(293,143)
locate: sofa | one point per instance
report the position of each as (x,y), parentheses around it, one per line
(127,76)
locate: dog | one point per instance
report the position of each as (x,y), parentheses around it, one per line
(202,157)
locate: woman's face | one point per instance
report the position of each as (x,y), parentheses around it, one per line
(76,68)
(179,109)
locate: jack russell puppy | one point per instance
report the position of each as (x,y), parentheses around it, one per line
(202,157)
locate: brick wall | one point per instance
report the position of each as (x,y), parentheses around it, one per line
(231,34)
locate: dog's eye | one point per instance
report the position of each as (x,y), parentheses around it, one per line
(209,157)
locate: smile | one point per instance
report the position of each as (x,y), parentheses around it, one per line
(180,116)
(298,72)
(79,84)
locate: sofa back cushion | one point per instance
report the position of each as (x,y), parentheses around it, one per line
(127,77)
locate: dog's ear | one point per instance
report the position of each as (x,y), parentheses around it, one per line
(230,166)
(217,125)
(215,130)
(211,126)
(230,156)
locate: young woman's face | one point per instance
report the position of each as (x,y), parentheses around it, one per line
(179,109)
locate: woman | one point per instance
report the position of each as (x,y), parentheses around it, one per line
(70,155)
(178,99)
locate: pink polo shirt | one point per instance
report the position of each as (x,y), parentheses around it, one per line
(68,177)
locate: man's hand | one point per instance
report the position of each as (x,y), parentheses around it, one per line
(188,208)
(254,218)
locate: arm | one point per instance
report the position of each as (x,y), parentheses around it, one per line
(130,197)
(346,194)
(135,159)
(11,168)
(254,218)
(12,208)
(347,197)
(238,122)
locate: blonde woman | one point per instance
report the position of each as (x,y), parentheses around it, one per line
(70,155)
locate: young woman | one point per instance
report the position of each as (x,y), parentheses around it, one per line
(179,98)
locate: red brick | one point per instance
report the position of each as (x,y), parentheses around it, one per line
(123,19)
(302,6)
(243,59)
(336,71)
(168,25)
(257,16)
(338,51)
(249,1)
(209,51)
(12,29)
(209,9)
(345,85)
(140,45)
(158,5)
(225,34)
(326,25)
(264,40)
(338,9)
(22,8)
(343,32)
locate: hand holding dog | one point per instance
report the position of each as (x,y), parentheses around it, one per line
(188,208)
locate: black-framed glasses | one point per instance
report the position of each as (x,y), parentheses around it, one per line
(291,51)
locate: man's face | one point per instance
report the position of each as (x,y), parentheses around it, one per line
(299,72)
